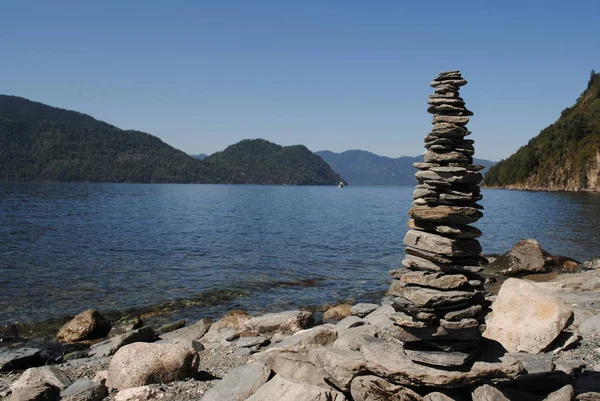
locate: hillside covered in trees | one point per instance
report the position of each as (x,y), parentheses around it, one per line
(564,156)
(44,143)
(360,167)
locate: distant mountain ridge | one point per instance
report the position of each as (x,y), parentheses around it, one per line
(565,156)
(360,167)
(44,143)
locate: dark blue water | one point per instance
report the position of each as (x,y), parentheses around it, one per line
(200,250)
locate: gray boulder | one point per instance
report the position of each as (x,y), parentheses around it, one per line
(240,383)
(84,390)
(341,365)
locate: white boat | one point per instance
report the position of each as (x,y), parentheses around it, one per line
(341,184)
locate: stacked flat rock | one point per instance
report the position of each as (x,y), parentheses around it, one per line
(440,304)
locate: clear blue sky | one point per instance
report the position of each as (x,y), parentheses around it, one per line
(336,75)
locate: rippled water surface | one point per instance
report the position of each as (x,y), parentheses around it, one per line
(203,249)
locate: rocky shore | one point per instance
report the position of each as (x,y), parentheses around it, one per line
(355,354)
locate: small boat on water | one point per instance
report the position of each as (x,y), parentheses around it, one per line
(341,184)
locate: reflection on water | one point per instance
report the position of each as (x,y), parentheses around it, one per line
(204,249)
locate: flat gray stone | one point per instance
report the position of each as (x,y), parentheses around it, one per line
(279,388)
(45,374)
(38,391)
(20,358)
(341,365)
(194,332)
(441,245)
(84,390)
(239,384)
(446,214)
(112,345)
(488,393)
(428,297)
(434,280)
(467,312)
(363,309)
(438,358)
(388,360)
(347,323)
(414,261)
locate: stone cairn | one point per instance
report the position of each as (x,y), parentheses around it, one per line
(440,304)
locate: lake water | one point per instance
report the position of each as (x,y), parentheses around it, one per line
(200,250)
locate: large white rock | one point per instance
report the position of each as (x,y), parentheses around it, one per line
(240,383)
(139,364)
(279,388)
(526,317)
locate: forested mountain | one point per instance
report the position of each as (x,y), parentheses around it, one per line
(563,156)
(257,160)
(360,167)
(200,156)
(44,143)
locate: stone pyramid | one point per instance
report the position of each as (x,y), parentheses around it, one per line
(440,304)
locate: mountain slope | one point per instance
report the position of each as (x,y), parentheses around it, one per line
(258,160)
(564,156)
(360,167)
(44,143)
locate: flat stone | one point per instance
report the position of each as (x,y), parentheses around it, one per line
(448,81)
(169,327)
(570,367)
(279,388)
(523,301)
(348,323)
(452,100)
(44,374)
(590,326)
(428,297)
(285,322)
(297,368)
(240,383)
(459,324)
(373,388)
(461,231)
(438,358)
(404,320)
(448,264)
(317,336)
(355,337)
(341,365)
(84,390)
(194,332)
(387,359)
(246,342)
(38,391)
(488,393)
(363,309)
(20,358)
(458,120)
(448,109)
(337,312)
(434,280)
(460,175)
(424,166)
(446,214)
(447,157)
(112,345)
(468,312)
(441,245)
